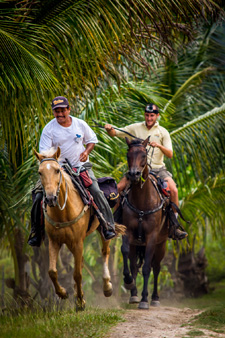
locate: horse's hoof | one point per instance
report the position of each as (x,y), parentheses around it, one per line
(80,305)
(129,286)
(143,306)
(108,293)
(107,287)
(134,300)
(63,294)
(155,303)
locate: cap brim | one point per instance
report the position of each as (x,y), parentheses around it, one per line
(60,106)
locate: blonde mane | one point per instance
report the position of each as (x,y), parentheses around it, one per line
(68,181)
(49,153)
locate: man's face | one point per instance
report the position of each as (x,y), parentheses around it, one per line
(61,115)
(150,119)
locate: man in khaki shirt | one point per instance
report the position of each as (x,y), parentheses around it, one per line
(161,142)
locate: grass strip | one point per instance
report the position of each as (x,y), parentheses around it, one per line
(93,322)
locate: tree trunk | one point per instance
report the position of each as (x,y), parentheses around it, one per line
(20,284)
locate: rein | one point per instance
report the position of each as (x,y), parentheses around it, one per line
(126,132)
(142,213)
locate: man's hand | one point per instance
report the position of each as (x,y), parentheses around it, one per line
(154,144)
(108,127)
(84,156)
(110,130)
(165,151)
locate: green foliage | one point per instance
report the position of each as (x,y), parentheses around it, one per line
(195,333)
(93,322)
(215,253)
(212,318)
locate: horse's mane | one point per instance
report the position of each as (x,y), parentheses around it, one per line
(136,142)
(68,181)
(49,153)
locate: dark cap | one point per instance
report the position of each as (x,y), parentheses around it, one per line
(60,101)
(149,108)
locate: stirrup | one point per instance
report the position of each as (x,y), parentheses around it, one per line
(179,235)
(35,239)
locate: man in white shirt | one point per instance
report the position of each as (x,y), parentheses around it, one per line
(76,141)
(161,142)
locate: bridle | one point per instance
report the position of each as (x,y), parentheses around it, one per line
(59,225)
(142,213)
(58,189)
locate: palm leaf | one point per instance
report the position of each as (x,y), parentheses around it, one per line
(205,204)
(200,144)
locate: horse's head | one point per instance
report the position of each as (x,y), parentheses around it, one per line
(136,158)
(50,175)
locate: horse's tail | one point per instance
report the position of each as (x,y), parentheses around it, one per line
(120,229)
(140,254)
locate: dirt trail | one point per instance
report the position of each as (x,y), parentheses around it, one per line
(158,322)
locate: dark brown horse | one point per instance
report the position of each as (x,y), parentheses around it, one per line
(147,231)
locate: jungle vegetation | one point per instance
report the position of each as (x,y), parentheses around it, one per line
(110,58)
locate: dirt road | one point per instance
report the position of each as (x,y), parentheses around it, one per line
(160,322)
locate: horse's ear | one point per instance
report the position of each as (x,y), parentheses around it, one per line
(39,156)
(145,143)
(57,153)
(128,141)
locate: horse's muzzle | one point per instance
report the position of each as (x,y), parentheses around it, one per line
(51,200)
(134,175)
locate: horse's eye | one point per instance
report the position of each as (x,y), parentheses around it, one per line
(39,173)
(57,171)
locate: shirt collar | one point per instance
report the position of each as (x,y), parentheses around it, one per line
(155,125)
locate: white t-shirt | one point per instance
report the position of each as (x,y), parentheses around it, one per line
(70,139)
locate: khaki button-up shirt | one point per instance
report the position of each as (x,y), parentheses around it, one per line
(157,134)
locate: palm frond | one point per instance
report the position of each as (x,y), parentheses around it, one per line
(205,204)
(200,145)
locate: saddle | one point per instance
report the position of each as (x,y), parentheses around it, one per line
(109,187)
(82,181)
(162,184)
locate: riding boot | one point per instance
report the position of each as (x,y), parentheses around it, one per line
(174,227)
(108,233)
(37,233)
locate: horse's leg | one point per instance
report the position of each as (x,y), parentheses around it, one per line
(128,279)
(77,251)
(53,255)
(158,256)
(107,285)
(149,252)
(134,271)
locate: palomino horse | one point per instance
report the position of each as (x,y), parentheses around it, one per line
(66,221)
(147,230)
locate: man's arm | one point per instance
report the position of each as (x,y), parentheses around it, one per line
(84,155)
(167,152)
(110,130)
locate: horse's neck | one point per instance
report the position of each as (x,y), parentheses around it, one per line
(73,203)
(144,191)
